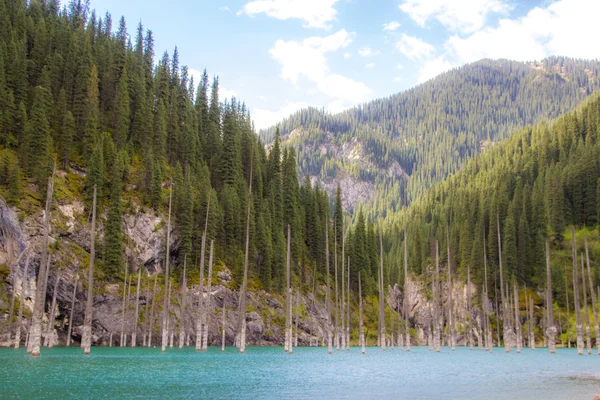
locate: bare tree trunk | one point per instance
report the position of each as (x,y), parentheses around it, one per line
(127,307)
(327,290)
(568,310)
(551,332)
(223,328)
(361,331)
(451,327)
(86,339)
(207,308)
(288,299)
(469,328)
(381,293)
(436,300)
(517,318)
(166,310)
(578,327)
(110,340)
(151,321)
(122,341)
(137,307)
(199,322)
(593,296)
(21,301)
(406,304)
(586,319)
(35,332)
(72,307)
(531,324)
(183,305)
(170,318)
(505,319)
(145,333)
(343,303)
(52,318)
(297,317)
(337,301)
(242,310)
(348,307)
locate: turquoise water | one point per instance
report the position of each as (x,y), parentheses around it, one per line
(309,373)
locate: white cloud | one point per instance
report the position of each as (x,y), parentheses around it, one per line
(347,55)
(370,65)
(196,74)
(556,29)
(368,52)
(399,67)
(225,8)
(225,93)
(456,15)
(265,118)
(391,26)
(307,59)
(414,48)
(397,79)
(263,98)
(314,13)
(432,68)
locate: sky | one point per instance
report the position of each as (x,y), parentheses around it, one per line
(279,56)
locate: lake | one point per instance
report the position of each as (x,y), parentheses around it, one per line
(309,373)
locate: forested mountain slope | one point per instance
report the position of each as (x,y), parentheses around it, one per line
(536,184)
(426,133)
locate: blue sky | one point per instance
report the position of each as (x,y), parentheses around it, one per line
(282,55)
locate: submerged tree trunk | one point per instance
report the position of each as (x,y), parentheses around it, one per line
(343,303)
(166,310)
(288,297)
(297,317)
(52,318)
(361,331)
(86,337)
(517,318)
(505,319)
(123,339)
(147,308)
(337,300)
(568,310)
(327,290)
(578,326)
(531,324)
(137,307)
(199,321)
(593,296)
(35,332)
(348,307)
(207,307)
(14,271)
(451,328)
(151,322)
(223,328)
(21,301)
(242,310)
(381,293)
(469,328)
(182,332)
(436,299)
(586,319)
(551,328)
(406,305)
(72,307)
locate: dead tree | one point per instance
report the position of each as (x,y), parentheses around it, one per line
(436,301)
(288,299)
(166,310)
(137,306)
(578,326)
(505,320)
(381,293)
(199,326)
(151,321)
(208,302)
(469,328)
(52,318)
(361,330)
(406,305)
(182,330)
(551,328)
(327,290)
(86,339)
(35,334)
(21,302)
(517,318)
(122,342)
(593,296)
(586,319)
(242,303)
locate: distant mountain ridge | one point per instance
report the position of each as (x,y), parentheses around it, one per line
(427,132)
